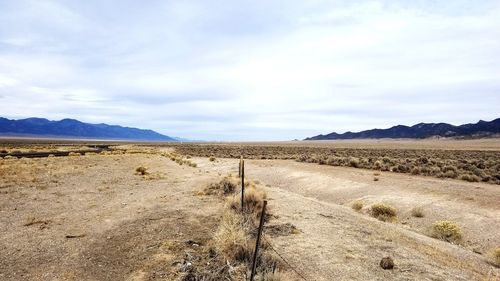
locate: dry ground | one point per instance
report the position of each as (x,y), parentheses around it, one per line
(338,243)
(92,218)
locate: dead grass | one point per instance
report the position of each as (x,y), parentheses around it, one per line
(232,238)
(235,237)
(383,212)
(252,203)
(227,186)
(496,256)
(417,212)
(141,170)
(447,231)
(357,205)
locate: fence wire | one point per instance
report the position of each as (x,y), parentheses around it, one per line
(285,260)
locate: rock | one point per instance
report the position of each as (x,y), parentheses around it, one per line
(387,263)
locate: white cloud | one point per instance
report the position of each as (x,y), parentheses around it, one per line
(251,69)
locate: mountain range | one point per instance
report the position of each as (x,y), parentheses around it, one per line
(421,131)
(71,128)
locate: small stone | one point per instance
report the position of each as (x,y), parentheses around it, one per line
(387,263)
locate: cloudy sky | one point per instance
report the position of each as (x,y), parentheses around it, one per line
(251,70)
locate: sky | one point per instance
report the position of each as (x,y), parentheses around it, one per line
(251,70)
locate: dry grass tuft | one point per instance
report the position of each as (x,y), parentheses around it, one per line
(253,201)
(447,231)
(496,256)
(417,212)
(141,170)
(383,212)
(357,205)
(225,187)
(232,238)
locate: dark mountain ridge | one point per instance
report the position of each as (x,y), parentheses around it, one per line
(71,128)
(421,131)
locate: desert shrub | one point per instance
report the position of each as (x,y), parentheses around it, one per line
(417,212)
(447,231)
(375,179)
(469,178)
(226,186)
(141,171)
(357,205)
(496,256)
(383,212)
(450,174)
(232,239)
(354,162)
(212,158)
(253,201)
(484,165)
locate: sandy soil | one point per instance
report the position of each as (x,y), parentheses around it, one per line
(338,243)
(92,218)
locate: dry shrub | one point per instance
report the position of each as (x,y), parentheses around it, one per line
(232,238)
(447,231)
(253,201)
(357,205)
(375,179)
(383,212)
(496,256)
(141,171)
(469,178)
(354,162)
(226,186)
(212,158)
(417,212)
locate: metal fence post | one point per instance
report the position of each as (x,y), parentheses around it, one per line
(239,167)
(261,226)
(242,184)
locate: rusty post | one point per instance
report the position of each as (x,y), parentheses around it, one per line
(239,167)
(259,234)
(242,185)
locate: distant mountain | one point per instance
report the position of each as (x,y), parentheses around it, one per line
(70,128)
(421,131)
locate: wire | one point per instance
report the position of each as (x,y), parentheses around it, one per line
(287,263)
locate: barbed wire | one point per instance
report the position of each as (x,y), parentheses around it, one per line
(281,256)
